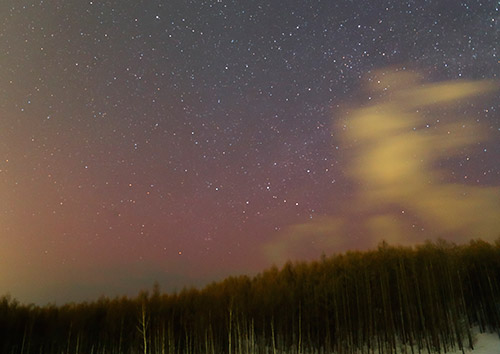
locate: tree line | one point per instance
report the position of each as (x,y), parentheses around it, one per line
(417,299)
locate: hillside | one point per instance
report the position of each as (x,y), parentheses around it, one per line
(387,300)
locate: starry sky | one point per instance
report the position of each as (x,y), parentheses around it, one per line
(184,141)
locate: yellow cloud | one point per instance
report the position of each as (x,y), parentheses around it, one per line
(393,159)
(323,235)
(388,228)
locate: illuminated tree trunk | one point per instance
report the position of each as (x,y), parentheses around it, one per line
(143,327)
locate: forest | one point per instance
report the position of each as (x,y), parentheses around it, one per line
(420,299)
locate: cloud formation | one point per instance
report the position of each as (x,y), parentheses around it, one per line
(394,158)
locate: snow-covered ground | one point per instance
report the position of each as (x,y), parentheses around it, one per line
(486,343)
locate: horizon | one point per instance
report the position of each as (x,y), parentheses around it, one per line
(155,287)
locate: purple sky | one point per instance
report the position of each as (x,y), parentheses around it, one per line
(183,141)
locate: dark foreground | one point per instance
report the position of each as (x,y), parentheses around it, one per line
(389,300)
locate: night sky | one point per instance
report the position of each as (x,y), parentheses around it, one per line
(184,141)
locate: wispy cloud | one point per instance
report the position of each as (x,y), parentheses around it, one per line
(394,159)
